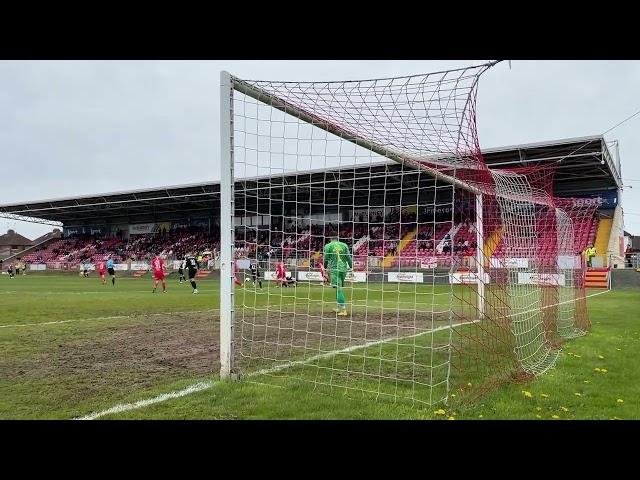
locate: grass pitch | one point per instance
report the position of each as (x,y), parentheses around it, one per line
(71,346)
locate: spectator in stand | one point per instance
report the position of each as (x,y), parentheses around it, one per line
(446,245)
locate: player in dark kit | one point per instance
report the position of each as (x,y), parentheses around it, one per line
(192,268)
(255,274)
(181,271)
(10,269)
(289,281)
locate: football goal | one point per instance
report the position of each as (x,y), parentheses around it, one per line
(367,249)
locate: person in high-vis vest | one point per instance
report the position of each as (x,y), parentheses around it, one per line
(590,252)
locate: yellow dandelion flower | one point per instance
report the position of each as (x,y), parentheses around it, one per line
(597,369)
(469,384)
(600,357)
(555,416)
(538,416)
(618,349)
(577,394)
(480,416)
(451,418)
(620,400)
(577,356)
(526,394)
(564,409)
(453,394)
(587,381)
(604,370)
(544,395)
(440,412)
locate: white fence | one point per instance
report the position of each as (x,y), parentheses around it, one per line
(405,277)
(541,278)
(139,266)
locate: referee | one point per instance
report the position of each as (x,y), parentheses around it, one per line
(112,272)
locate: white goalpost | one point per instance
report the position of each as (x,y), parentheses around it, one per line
(226,226)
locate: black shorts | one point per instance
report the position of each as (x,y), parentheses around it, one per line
(192,274)
(111,271)
(180,271)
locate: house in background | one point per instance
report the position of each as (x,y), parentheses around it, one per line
(12,243)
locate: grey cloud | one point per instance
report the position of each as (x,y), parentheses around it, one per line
(72,128)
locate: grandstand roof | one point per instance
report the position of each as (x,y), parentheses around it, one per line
(582,165)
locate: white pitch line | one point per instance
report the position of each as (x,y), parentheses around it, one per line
(62,321)
(322,356)
(212,310)
(106,318)
(554,305)
(198,387)
(215,310)
(596,294)
(62,292)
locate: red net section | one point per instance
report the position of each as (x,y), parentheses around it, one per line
(576,230)
(417,118)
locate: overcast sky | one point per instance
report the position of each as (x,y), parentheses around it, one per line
(70,128)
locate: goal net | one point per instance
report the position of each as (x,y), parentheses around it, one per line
(367,249)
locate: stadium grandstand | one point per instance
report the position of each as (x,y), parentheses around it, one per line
(387,232)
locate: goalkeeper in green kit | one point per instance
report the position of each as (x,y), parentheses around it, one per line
(337,261)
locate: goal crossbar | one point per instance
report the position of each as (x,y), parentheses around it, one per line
(271,100)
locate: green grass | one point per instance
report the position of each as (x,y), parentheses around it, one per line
(154,345)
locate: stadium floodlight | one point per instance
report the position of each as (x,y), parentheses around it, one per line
(448,288)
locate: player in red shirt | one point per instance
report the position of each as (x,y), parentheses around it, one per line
(235,273)
(157,265)
(280,274)
(323,272)
(102,270)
